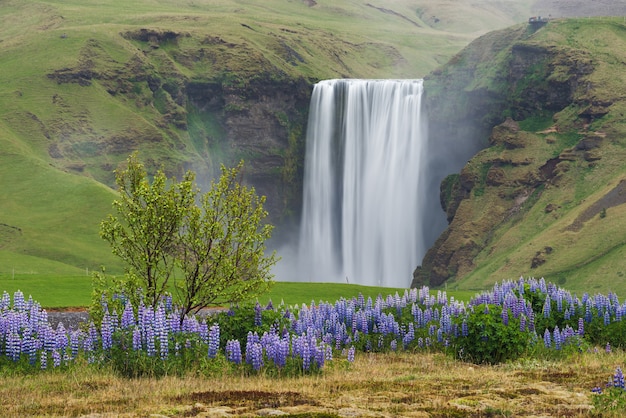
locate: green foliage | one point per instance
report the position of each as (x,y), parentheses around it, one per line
(611,402)
(144,233)
(489,339)
(159,229)
(221,246)
(238,321)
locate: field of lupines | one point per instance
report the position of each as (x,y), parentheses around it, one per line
(515,318)
(527,317)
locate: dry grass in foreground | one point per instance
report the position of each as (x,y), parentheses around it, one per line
(389,385)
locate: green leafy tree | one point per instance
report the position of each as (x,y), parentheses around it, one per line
(161,232)
(222,253)
(144,232)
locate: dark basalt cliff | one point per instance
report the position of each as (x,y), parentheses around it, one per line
(545,105)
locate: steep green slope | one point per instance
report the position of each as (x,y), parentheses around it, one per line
(189,84)
(547,197)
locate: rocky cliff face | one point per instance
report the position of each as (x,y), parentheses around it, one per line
(542,106)
(190,119)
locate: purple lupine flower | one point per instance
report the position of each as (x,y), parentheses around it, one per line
(547,339)
(505,316)
(254,355)
(161,330)
(607,348)
(128,316)
(28,347)
(136,339)
(233,351)
(106,331)
(351,352)
(618,379)
(522,323)
(214,340)
(393,345)
(61,338)
(607,318)
(56,358)
(319,354)
(409,336)
(19,304)
(556,336)
(13,346)
(258,314)
(43,359)
(74,343)
(464,328)
(149,335)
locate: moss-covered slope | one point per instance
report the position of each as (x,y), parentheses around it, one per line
(547,196)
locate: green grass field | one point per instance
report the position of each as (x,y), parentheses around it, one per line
(75,291)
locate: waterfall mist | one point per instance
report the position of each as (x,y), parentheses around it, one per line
(364,202)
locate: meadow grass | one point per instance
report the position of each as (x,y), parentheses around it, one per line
(74,291)
(393,384)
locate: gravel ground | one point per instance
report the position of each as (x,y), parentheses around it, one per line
(70,319)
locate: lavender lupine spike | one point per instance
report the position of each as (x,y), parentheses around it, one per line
(351,353)
(214,340)
(162,331)
(257,314)
(137,345)
(56,358)
(128,316)
(254,355)
(106,332)
(233,351)
(556,337)
(149,336)
(581,327)
(547,339)
(5,302)
(618,378)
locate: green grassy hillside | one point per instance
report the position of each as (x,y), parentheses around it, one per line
(82,84)
(547,198)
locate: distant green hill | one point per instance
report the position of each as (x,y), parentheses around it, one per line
(190,84)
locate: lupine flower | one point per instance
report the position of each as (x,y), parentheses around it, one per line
(350,356)
(618,378)
(214,340)
(547,339)
(607,348)
(257,314)
(556,336)
(254,355)
(233,351)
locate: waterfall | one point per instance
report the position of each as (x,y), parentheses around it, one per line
(362,216)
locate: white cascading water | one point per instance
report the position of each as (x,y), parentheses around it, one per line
(361,218)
